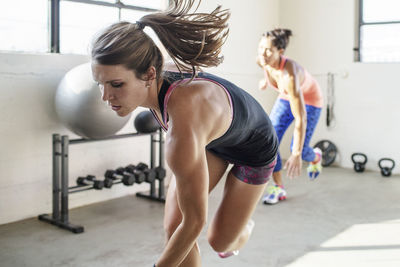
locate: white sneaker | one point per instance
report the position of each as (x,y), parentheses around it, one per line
(314,169)
(228,254)
(274,194)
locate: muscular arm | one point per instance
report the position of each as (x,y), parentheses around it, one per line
(190,130)
(291,78)
(186,158)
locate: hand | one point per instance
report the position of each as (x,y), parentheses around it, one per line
(293,166)
(262,85)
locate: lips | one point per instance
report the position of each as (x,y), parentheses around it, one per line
(115,107)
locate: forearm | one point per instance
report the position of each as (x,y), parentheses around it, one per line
(179,245)
(299,136)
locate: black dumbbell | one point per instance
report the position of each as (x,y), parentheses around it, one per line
(150,174)
(160,173)
(90,180)
(140,177)
(108,183)
(113,177)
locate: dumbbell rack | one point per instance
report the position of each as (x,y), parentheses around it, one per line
(60,217)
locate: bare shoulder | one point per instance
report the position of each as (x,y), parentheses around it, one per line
(202,106)
(293,68)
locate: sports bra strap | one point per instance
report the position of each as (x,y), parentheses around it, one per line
(283,62)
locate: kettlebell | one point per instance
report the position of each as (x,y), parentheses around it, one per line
(359,165)
(386,171)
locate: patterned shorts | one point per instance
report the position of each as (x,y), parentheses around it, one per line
(254,175)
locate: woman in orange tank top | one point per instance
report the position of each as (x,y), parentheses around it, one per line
(300,100)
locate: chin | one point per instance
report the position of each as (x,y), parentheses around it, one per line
(124,113)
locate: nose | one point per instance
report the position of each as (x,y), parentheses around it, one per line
(105,93)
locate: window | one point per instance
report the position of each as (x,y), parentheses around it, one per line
(24,25)
(65,26)
(379,31)
(79,22)
(81,19)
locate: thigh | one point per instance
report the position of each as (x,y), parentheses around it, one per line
(281,117)
(313,114)
(237,206)
(172,215)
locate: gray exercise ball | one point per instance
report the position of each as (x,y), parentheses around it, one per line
(80,107)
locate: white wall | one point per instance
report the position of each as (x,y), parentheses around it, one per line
(28,84)
(366,108)
(249,20)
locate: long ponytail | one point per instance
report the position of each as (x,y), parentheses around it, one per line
(191,39)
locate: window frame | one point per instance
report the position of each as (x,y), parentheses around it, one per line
(54,30)
(361,23)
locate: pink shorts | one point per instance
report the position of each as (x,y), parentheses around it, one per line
(254,175)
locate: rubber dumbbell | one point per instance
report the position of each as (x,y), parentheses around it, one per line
(126,179)
(150,174)
(90,180)
(160,173)
(139,176)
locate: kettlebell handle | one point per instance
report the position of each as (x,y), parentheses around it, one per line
(386,159)
(360,155)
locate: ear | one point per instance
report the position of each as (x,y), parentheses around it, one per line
(281,51)
(150,74)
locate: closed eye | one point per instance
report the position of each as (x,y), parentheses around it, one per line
(117,85)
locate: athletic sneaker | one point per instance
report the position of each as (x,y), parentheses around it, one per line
(250,226)
(274,194)
(315,168)
(228,254)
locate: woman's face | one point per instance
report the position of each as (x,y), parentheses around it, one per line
(120,87)
(268,54)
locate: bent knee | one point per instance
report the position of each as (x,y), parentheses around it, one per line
(170,227)
(218,243)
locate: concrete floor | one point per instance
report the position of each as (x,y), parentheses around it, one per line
(342,219)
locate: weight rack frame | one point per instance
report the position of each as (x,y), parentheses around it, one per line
(60,155)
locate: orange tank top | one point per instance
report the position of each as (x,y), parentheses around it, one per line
(310,89)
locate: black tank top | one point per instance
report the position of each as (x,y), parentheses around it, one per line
(250,140)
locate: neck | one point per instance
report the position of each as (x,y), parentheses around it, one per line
(277,63)
(152,98)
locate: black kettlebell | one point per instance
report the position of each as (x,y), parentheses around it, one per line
(359,164)
(386,171)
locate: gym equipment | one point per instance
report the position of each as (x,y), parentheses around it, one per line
(359,160)
(150,174)
(386,171)
(90,180)
(61,191)
(146,123)
(80,107)
(160,173)
(113,177)
(329,152)
(139,176)
(330,99)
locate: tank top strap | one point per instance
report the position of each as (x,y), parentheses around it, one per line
(283,62)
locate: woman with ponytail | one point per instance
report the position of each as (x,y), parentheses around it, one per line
(210,123)
(300,99)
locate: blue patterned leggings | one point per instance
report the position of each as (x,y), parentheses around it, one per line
(281,117)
